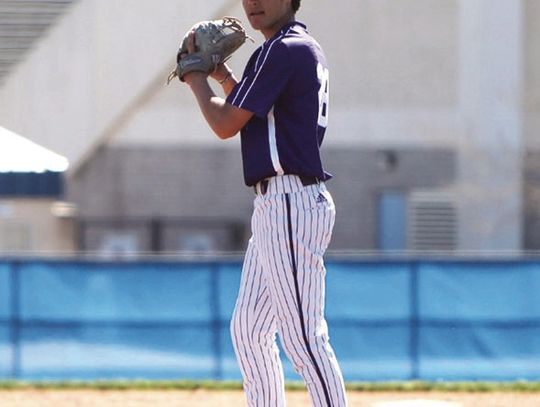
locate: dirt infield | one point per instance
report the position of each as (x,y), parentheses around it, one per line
(233,398)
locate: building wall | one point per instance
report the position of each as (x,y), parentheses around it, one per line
(532,74)
(30,225)
(531,219)
(394,78)
(424,74)
(531,239)
(194,183)
(96,65)
(411,75)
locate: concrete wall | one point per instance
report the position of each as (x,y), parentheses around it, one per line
(490,110)
(394,78)
(95,66)
(195,183)
(531,127)
(100,78)
(531,220)
(445,74)
(31,225)
(532,74)
(413,74)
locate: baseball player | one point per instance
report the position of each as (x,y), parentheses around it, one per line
(280,106)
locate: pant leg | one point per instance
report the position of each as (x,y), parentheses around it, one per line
(253,331)
(297,233)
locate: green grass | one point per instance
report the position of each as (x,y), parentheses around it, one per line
(468,387)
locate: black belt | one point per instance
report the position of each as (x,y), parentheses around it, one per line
(305,180)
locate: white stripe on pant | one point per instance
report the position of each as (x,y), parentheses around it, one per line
(282,291)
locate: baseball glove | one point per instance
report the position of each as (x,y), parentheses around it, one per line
(215,42)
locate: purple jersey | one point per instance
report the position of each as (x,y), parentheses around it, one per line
(285,85)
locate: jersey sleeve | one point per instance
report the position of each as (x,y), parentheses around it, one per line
(264,82)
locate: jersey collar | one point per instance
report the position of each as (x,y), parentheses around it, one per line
(284,29)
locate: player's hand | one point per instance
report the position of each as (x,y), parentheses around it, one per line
(195,75)
(221,72)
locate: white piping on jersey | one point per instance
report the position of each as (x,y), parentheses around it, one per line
(258,58)
(239,90)
(260,68)
(274,154)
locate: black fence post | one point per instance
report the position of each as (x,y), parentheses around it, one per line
(156,235)
(414,323)
(81,235)
(15,313)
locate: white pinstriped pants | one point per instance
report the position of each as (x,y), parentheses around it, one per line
(282,291)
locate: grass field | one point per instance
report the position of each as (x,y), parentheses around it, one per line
(405,387)
(229,394)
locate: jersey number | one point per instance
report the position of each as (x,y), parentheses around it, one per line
(324,76)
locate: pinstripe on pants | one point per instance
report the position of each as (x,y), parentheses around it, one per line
(282,291)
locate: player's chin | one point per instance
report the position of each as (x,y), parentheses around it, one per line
(256,21)
(255,24)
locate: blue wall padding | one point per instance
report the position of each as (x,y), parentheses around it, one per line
(389,320)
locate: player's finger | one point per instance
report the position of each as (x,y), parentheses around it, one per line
(191,42)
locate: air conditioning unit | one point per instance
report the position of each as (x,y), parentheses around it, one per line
(433,221)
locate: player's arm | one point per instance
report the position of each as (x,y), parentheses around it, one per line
(225,119)
(225,77)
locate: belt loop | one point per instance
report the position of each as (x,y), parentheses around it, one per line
(264,186)
(261,187)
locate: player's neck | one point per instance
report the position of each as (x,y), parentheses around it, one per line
(269,32)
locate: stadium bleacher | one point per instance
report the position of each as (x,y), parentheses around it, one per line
(22,23)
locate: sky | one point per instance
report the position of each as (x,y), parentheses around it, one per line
(18,154)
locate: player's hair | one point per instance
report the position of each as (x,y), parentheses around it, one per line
(295,5)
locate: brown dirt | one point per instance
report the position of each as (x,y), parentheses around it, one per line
(205,398)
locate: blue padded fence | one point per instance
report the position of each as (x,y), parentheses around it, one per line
(389,320)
